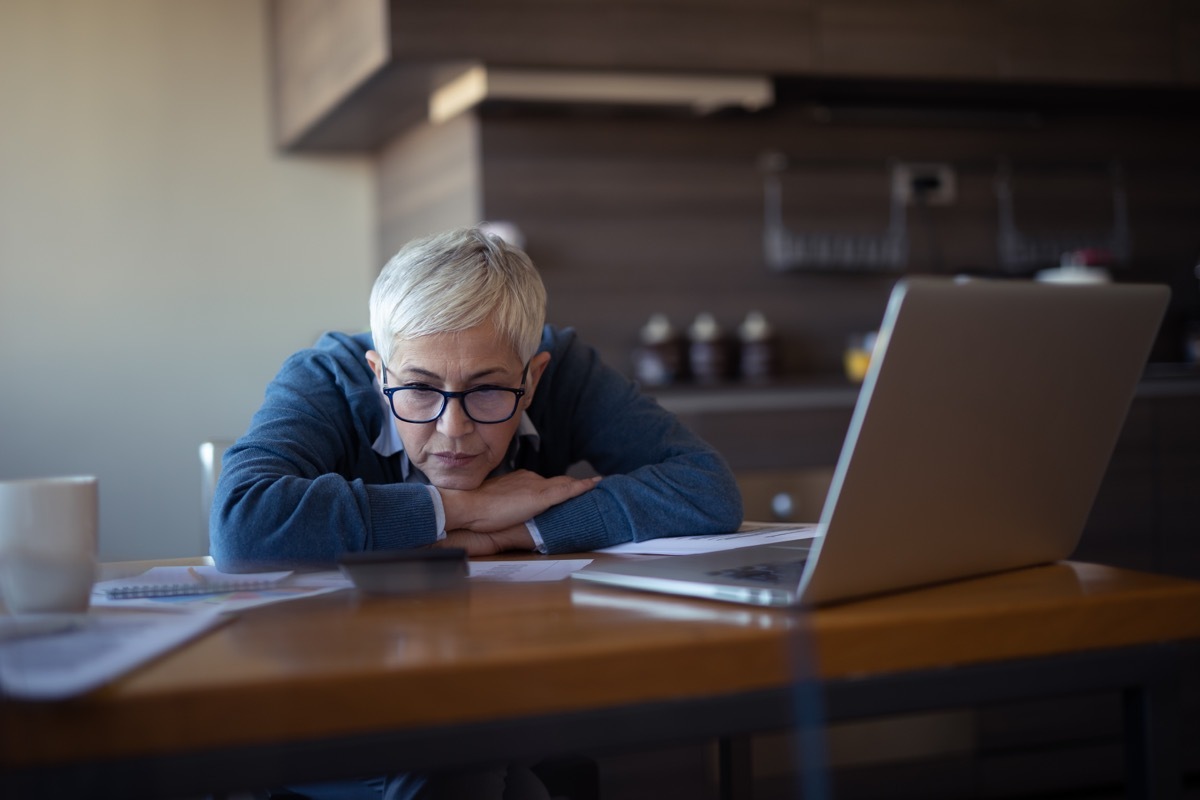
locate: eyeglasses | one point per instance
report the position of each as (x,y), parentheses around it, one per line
(487,405)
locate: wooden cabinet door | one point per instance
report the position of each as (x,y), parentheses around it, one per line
(1088,41)
(942,39)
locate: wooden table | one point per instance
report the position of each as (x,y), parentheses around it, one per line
(340,685)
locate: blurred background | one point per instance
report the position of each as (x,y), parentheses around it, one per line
(159,256)
(191,191)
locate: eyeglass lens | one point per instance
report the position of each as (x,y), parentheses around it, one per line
(482,405)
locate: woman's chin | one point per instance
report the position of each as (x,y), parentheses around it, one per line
(448,479)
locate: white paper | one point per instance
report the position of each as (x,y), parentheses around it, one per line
(21,626)
(751,533)
(107,645)
(526,571)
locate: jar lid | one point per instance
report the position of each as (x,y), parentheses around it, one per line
(754,327)
(658,329)
(704,328)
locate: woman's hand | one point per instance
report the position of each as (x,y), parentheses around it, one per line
(489,544)
(507,501)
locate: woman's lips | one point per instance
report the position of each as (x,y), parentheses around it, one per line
(454,460)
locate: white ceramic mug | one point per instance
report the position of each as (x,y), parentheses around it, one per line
(48,543)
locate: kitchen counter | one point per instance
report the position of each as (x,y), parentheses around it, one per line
(1170,380)
(834,393)
(790,395)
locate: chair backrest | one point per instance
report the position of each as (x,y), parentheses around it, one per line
(211,453)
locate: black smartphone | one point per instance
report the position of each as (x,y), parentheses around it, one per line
(406,571)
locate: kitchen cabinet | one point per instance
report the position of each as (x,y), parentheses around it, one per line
(1146,515)
(350,76)
(1056,41)
(1178,428)
(1187,41)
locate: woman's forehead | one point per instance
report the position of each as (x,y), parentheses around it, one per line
(475,350)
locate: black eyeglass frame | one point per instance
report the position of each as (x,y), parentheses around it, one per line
(390,391)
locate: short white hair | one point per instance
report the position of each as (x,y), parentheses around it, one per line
(452,281)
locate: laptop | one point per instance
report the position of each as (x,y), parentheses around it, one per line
(982,431)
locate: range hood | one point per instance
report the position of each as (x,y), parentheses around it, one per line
(702,93)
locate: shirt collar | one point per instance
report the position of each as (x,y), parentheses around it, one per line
(388,443)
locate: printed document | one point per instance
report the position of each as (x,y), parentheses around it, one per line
(750,533)
(100,647)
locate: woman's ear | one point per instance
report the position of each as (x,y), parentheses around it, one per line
(537,366)
(376,362)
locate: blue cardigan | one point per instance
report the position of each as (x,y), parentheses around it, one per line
(304,484)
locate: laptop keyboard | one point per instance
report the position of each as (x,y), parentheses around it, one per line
(777,572)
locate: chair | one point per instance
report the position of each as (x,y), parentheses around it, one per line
(571,777)
(211,453)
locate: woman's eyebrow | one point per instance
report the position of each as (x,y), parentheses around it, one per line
(420,372)
(417,372)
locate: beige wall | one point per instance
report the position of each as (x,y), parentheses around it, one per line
(158,258)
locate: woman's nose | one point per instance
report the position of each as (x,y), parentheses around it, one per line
(454,420)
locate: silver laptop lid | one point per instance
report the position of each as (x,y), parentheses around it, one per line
(982,431)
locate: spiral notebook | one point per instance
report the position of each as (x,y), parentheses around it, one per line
(176,581)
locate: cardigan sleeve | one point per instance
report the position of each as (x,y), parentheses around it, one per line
(303,484)
(660,479)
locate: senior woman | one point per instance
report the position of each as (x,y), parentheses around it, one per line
(454,423)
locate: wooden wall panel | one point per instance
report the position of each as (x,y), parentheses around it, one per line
(429,181)
(709,35)
(322,50)
(1089,41)
(631,215)
(941,39)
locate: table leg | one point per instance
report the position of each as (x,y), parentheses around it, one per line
(735,768)
(1153,769)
